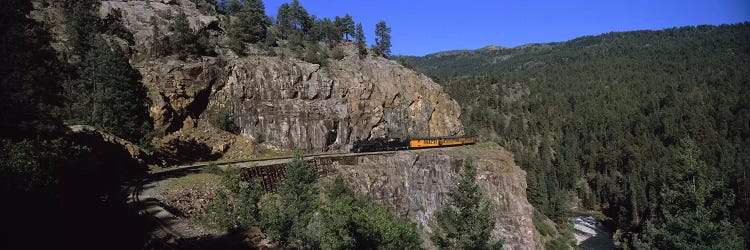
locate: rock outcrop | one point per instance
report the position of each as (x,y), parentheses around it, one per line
(294,104)
(301,105)
(287,102)
(106,142)
(149,20)
(416,183)
(283,101)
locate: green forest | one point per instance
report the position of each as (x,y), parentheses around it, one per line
(652,128)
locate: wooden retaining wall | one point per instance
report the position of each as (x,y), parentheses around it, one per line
(271,176)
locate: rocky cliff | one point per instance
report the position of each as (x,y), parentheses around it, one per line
(416,183)
(294,104)
(284,101)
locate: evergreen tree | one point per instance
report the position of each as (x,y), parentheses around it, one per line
(301,19)
(288,223)
(467,221)
(284,19)
(82,24)
(109,96)
(350,221)
(183,40)
(30,76)
(293,18)
(325,30)
(359,35)
(348,27)
(232,7)
(382,39)
(695,210)
(158,45)
(248,23)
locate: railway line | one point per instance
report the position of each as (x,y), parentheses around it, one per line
(260,162)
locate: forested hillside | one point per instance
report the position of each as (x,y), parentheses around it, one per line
(650,127)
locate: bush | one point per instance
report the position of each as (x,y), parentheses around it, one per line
(287,217)
(467,221)
(236,204)
(259,138)
(350,221)
(314,54)
(338,54)
(225,121)
(404,62)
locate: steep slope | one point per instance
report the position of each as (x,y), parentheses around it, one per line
(285,102)
(417,183)
(608,122)
(294,104)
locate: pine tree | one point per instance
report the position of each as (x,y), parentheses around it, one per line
(82,24)
(361,44)
(109,96)
(348,26)
(183,40)
(695,210)
(284,19)
(288,223)
(382,39)
(232,7)
(467,221)
(30,76)
(158,45)
(301,19)
(248,23)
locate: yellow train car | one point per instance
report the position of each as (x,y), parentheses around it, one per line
(431,142)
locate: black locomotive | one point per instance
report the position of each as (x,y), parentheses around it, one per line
(380,144)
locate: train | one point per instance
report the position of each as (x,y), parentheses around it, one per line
(393,144)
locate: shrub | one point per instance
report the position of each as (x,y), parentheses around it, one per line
(236,204)
(225,121)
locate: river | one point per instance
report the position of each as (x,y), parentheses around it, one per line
(590,234)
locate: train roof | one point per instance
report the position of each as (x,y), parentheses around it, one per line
(441,137)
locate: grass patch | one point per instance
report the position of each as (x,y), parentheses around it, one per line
(192,180)
(272,154)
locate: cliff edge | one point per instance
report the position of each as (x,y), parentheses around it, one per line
(417,182)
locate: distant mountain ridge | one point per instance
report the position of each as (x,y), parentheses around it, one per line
(492,58)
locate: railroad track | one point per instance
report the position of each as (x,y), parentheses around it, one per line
(249,163)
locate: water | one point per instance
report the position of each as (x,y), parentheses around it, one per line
(602,240)
(591,235)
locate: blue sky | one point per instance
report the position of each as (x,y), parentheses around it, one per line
(421,27)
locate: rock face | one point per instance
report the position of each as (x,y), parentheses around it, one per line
(416,183)
(283,101)
(300,105)
(106,142)
(294,104)
(288,103)
(145,19)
